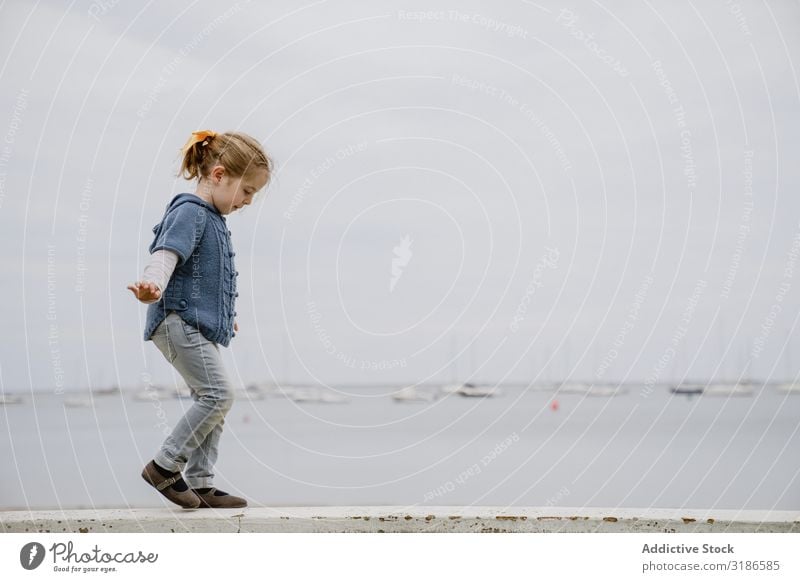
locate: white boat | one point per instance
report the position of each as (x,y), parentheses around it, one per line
(7,399)
(329,398)
(470,390)
(181,392)
(592,390)
(606,390)
(473,391)
(161,393)
(77,402)
(264,389)
(280,391)
(574,388)
(450,388)
(413,394)
(251,392)
(544,387)
(316,395)
(728,390)
(789,387)
(152,394)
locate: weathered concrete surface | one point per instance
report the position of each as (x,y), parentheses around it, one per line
(399,519)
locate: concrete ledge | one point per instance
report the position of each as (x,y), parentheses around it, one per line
(399,519)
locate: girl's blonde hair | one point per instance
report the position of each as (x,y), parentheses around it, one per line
(237,152)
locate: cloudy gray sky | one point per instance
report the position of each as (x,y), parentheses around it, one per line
(514,191)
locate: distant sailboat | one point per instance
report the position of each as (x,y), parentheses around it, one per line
(150,394)
(591,389)
(8,399)
(610,390)
(450,388)
(103,388)
(470,390)
(77,402)
(742,389)
(153,393)
(573,388)
(687,389)
(473,391)
(181,392)
(413,394)
(790,387)
(316,395)
(464,388)
(252,392)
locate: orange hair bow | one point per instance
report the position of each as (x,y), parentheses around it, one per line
(197,136)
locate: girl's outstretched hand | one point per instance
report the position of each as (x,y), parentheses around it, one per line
(235,326)
(145,291)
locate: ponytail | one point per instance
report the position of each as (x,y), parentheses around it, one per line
(237,152)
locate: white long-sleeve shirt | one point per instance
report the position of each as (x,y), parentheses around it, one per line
(159,270)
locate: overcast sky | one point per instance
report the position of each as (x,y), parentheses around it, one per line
(483,191)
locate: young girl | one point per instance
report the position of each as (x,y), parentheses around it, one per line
(190,286)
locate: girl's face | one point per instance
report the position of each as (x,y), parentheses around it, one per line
(229,193)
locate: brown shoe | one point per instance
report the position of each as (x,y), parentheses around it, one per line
(165,485)
(217,498)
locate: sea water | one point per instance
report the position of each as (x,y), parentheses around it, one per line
(522,448)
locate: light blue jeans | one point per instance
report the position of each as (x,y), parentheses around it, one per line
(194,443)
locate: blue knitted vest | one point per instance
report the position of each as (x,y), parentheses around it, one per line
(202,289)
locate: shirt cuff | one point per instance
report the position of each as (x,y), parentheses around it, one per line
(160,269)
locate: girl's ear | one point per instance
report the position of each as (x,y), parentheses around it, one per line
(217,173)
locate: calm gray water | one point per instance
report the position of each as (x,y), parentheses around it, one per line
(623,451)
